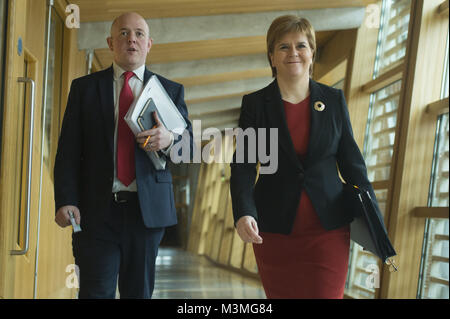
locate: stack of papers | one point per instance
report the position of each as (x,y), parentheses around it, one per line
(155,95)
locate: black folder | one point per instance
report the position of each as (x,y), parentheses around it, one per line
(146,120)
(368,229)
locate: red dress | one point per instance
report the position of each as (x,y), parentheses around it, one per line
(310,262)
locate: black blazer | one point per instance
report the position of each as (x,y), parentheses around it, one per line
(84,164)
(274,199)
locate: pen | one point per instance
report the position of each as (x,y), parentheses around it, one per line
(148,137)
(146,141)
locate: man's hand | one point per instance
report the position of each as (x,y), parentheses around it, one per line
(156,139)
(62,217)
(247,229)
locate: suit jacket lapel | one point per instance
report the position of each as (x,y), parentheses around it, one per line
(277,119)
(147,75)
(106,88)
(317,118)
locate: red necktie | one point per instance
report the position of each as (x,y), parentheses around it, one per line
(125,138)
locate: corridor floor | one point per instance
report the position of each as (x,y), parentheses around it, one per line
(183,275)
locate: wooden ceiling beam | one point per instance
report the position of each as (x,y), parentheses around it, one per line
(196,50)
(216,97)
(107,10)
(206,49)
(198,115)
(219,121)
(224,77)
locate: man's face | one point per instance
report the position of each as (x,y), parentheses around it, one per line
(130,41)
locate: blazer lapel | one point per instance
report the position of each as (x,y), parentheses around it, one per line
(147,75)
(277,119)
(106,88)
(317,117)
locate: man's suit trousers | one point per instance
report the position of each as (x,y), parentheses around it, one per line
(121,248)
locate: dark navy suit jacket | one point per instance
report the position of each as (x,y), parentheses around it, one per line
(84,164)
(274,199)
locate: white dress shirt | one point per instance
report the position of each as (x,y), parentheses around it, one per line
(136,84)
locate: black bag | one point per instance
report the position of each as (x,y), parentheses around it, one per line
(367,228)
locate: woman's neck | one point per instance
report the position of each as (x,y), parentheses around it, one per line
(293,90)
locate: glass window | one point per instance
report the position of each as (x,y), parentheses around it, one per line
(439,193)
(433,282)
(53,91)
(378,150)
(380,131)
(392,36)
(435,267)
(362,280)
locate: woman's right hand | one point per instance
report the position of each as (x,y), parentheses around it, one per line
(247,229)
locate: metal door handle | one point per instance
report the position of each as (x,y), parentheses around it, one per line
(30,161)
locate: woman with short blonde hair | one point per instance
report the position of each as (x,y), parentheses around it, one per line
(287,24)
(296,218)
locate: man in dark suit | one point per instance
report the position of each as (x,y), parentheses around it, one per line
(104,176)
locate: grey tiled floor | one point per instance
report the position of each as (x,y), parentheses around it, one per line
(183,275)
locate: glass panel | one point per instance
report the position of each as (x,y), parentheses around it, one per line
(392,35)
(433,282)
(439,194)
(381,195)
(364,267)
(434,272)
(379,142)
(378,150)
(53,93)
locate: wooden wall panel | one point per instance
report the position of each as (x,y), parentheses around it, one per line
(359,71)
(334,52)
(9,161)
(55,247)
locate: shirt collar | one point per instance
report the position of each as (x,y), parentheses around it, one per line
(118,71)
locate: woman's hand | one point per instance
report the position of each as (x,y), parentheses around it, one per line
(247,229)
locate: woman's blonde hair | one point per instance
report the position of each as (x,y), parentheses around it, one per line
(287,24)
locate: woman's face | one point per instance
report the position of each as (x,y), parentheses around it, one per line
(292,56)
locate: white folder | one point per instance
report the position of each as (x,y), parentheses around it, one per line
(167,111)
